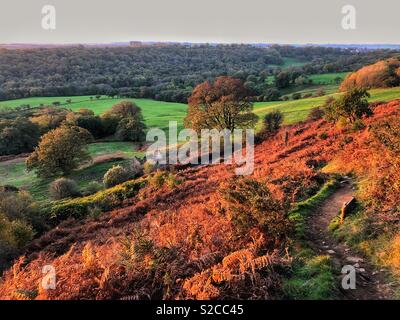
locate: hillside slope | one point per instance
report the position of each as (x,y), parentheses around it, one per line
(177,242)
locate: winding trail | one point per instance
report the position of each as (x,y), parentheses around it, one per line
(371,284)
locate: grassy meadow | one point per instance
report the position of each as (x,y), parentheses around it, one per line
(298,110)
(104,156)
(328,78)
(157,114)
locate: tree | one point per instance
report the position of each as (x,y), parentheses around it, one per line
(124,109)
(17,136)
(272,94)
(272,122)
(60,151)
(220,105)
(282,80)
(352,106)
(120,111)
(131,129)
(86,119)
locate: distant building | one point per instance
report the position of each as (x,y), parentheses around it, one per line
(136,44)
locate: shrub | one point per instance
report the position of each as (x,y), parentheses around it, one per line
(106,200)
(22,233)
(164,178)
(323,136)
(271,125)
(296,96)
(148,167)
(14,235)
(134,168)
(352,106)
(114,176)
(250,205)
(63,188)
(17,205)
(93,187)
(272,94)
(358,125)
(316,114)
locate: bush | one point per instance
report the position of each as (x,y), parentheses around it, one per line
(272,94)
(119,174)
(164,178)
(271,124)
(148,167)
(21,232)
(114,176)
(63,188)
(296,96)
(14,235)
(316,114)
(250,204)
(134,168)
(106,200)
(17,205)
(93,187)
(352,106)
(358,125)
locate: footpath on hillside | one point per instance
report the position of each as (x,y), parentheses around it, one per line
(370,283)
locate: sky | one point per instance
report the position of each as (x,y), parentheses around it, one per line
(225,21)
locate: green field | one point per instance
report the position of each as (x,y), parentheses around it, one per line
(155,113)
(110,152)
(298,110)
(106,153)
(328,78)
(126,149)
(326,82)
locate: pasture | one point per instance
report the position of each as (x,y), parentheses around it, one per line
(155,113)
(107,153)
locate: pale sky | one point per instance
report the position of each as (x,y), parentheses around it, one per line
(239,21)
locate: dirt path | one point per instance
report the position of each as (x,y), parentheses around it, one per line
(370,283)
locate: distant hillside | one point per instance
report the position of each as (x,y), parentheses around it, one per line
(382,74)
(166,73)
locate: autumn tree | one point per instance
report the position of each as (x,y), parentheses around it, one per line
(60,151)
(353,105)
(220,105)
